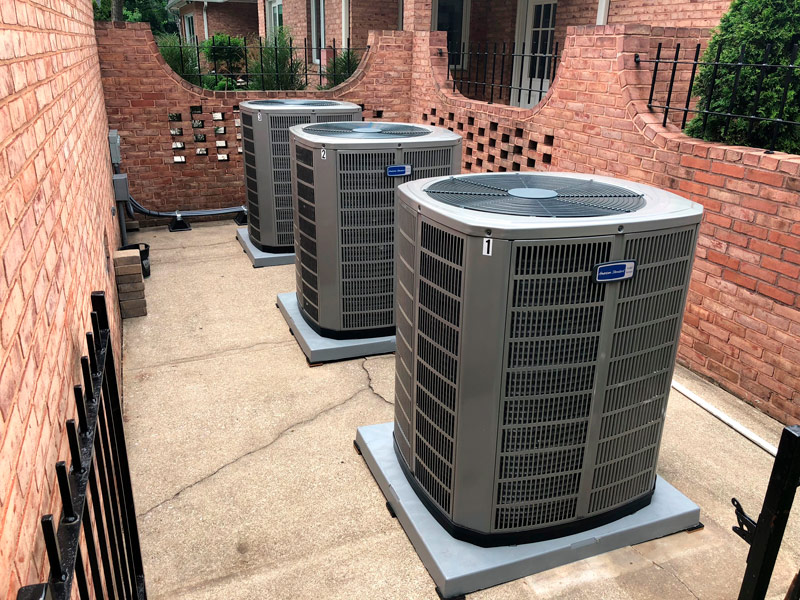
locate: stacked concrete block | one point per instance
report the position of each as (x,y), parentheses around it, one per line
(130,283)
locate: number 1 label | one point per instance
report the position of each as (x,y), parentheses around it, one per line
(487,246)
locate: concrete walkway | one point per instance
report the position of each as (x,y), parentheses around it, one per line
(247,485)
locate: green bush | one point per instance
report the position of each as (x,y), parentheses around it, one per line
(182,60)
(149,11)
(341,67)
(226,52)
(751,25)
(273,66)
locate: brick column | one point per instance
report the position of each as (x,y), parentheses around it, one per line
(417,15)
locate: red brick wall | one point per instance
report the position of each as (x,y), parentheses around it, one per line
(141,91)
(367,15)
(56,229)
(742,324)
(232,18)
(196,10)
(667,13)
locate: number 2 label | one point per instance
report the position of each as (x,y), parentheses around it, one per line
(487,246)
(323,154)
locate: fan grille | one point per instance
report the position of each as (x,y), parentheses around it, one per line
(529,195)
(293,102)
(366,130)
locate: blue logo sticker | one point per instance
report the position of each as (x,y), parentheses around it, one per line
(614,271)
(398,170)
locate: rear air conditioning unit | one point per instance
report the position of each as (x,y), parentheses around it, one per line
(345,180)
(538,318)
(268,182)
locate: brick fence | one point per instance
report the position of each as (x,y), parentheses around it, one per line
(742,325)
(143,94)
(56,232)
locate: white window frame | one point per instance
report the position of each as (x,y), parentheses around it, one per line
(345,23)
(186,20)
(316,52)
(271,5)
(465,18)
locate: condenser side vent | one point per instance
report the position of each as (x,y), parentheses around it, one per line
(282,173)
(305,236)
(645,338)
(438,333)
(551,352)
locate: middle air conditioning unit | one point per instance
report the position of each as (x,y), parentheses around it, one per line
(268,181)
(344,195)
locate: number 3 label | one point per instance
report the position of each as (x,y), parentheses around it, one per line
(323,154)
(487,246)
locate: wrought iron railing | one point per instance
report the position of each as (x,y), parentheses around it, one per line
(729,107)
(502,72)
(95,489)
(231,63)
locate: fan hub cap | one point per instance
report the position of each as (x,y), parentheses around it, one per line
(532,193)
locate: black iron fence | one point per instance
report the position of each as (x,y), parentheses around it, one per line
(752,100)
(95,490)
(765,533)
(276,63)
(502,72)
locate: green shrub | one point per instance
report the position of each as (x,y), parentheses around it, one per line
(226,52)
(182,60)
(751,25)
(273,65)
(341,67)
(153,12)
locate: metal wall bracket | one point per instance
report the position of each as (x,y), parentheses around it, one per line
(178,224)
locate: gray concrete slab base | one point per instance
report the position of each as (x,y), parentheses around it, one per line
(319,349)
(460,568)
(259,258)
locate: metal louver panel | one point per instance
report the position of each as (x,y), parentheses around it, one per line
(366,230)
(251,177)
(305,235)
(645,340)
(406,259)
(437,352)
(366,203)
(551,352)
(282,174)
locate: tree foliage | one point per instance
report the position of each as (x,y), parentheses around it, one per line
(746,30)
(147,11)
(340,67)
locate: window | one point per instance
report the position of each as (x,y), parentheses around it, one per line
(452,16)
(275,11)
(317,29)
(345,23)
(188,21)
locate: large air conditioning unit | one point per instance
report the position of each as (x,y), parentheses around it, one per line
(268,181)
(344,196)
(538,318)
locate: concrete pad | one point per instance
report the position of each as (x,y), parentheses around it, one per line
(248,486)
(319,349)
(460,568)
(259,258)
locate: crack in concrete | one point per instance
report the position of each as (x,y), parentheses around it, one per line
(214,354)
(667,570)
(266,446)
(371,385)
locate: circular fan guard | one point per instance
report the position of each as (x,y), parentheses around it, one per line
(293,102)
(529,195)
(365,130)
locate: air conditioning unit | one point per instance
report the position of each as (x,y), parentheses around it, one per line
(538,318)
(344,193)
(268,181)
